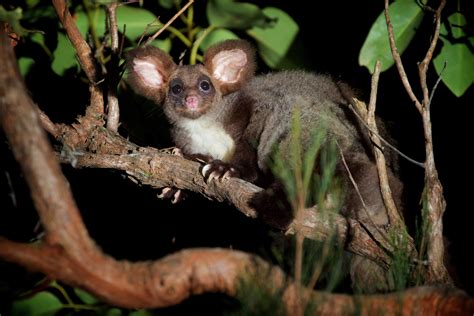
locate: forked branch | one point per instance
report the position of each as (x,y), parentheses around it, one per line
(433,191)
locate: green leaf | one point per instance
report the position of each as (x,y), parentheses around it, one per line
(406,16)
(64,55)
(85,297)
(25,63)
(216,36)
(32,3)
(238,15)
(458,75)
(135,19)
(43,303)
(13,19)
(274,42)
(113,312)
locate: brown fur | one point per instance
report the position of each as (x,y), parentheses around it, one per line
(158,57)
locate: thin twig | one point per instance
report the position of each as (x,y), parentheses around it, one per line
(47,124)
(361,198)
(113,111)
(437,82)
(390,206)
(357,111)
(398,60)
(113,25)
(423,66)
(84,52)
(169,22)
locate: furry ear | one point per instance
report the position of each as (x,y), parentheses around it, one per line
(231,63)
(149,70)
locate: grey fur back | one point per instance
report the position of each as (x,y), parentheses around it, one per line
(320,100)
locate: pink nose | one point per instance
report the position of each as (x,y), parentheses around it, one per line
(192,102)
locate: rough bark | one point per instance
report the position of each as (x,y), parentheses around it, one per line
(174,278)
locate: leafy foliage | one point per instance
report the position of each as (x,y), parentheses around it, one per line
(274,43)
(42,303)
(271,28)
(455,61)
(457,52)
(406,16)
(58,299)
(13,18)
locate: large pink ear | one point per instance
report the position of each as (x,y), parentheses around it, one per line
(231,63)
(149,69)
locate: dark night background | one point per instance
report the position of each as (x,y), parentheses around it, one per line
(128,221)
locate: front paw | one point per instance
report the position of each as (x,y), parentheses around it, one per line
(176,195)
(218,169)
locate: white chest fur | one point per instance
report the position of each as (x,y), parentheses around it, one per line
(208,138)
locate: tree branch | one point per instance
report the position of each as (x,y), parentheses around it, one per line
(84,52)
(169,22)
(435,202)
(113,112)
(174,278)
(157,169)
(95,110)
(433,191)
(392,212)
(398,60)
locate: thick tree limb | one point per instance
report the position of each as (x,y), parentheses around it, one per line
(150,167)
(172,279)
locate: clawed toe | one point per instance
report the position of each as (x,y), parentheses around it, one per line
(218,170)
(176,195)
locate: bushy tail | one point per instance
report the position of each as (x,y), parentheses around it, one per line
(272,206)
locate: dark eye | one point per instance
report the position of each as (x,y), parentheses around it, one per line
(204,85)
(176,88)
